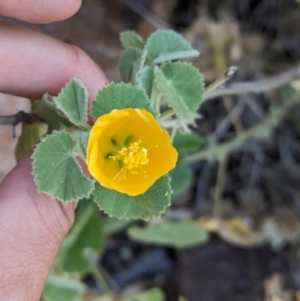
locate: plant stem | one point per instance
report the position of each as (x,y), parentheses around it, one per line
(218,151)
(236,121)
(21,116)
(227,76)
(167,114)
(101,282)
(220,182)
(92,258)
(154,99)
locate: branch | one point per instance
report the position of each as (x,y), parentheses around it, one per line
(21,116)
(221,81)
(262,130)
(219,188)
(270,83)
(146,14)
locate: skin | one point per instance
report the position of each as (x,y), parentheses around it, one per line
(32,226)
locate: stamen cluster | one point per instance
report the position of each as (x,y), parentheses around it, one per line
(132,157)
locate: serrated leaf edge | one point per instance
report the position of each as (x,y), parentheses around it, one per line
(123,84)
(58,106)
(135,33)
(176,56)
(181,63)
(138,217)
(34,168)
(157,32)
(143,56)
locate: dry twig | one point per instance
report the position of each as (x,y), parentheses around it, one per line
(263,85)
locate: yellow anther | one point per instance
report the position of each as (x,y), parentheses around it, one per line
(133,157)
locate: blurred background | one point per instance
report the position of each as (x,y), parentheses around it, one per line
(254,252)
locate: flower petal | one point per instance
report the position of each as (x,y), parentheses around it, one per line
(110,147)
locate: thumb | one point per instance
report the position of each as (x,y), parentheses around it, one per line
(32,227)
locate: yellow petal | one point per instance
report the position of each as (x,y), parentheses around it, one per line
(108,152)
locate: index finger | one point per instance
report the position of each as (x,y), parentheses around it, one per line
(33,64)
(39,11)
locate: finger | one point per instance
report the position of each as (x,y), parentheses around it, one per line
(32,229)
(33,64)
(39,11)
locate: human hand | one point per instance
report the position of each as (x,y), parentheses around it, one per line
(32,225)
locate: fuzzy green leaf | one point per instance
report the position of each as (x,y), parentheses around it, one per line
(165,43)
(167,57)
(56,172)
(145,80)
(112,225)
(181,178)
(61,287)
(144,206)
(120,96)
(86,233)
(73,102)
(186,143)
(81,140)
(154,294)
(131,39)
(182,86)
(47,109)
(180,234)
(131,63)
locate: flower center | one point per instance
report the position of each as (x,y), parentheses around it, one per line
(133,158)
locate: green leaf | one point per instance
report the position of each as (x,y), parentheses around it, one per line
(182,86)
(120,96)
(176,56)
(145,80)
(144,206)
(47,109)
(63,288)
(81,140)
(73,102)
(55,170)
(131,39)
(31,133)
(112,225)
(185,143)
(165,44)
(86,233)
(180,235)
(131,63)
(181,178)
(154,294)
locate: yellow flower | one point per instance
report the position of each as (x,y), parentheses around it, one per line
(128,151)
